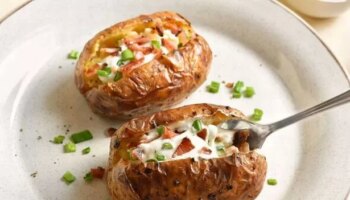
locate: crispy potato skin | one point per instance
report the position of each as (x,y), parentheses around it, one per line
(153,86)
(237,177)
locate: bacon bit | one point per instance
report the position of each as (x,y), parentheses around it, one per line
(184,147)
(128,133)
(229,85)
(98,172)
(205,150)
(136,47)
(168,133)
(169,45)
(90,72)
(173,28)
(132,65)
(182,37)
(142,40)
(202,134)
(110,131)
(159,30)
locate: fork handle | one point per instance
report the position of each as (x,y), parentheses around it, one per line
(331,103)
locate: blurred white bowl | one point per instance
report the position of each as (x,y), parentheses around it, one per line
(319,8)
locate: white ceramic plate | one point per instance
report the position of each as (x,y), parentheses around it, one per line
(257,41)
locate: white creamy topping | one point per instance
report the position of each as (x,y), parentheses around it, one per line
(216,138)
(112,60)
(167,34)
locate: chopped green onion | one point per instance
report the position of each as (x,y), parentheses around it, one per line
(167,145)
(257,115)
(88,177)
(118,76)
(160,157)
(155,44)
(238,87)
(236,95)
(73,55)
(127,54)
(120,62)
(249,92)
(68,177)
(272,181)
(197,124)
(58,139)
(69,147)
(86,150)
(214,87)
(104,72)
(160,130)
(81,136)
(220,148)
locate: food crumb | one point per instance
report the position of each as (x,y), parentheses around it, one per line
(93,156)
(90,118)
(110,131)
(39,137)
(229,85)
(34,174)
(59,67)
(21,130)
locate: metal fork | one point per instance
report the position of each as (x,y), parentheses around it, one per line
(259,133)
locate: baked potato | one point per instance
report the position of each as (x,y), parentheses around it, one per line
(142,65)
(182,154)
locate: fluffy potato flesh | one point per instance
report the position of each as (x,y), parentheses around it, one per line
(141,65)
(137,171)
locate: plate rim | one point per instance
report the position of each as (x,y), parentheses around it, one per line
(275,2)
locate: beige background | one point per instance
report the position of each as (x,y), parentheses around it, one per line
(335,32)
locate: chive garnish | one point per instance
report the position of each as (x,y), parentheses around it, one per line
(73,55)
(238,87)
(257,115)
(155,44)
(68,177)
(197,124)
(86,150)
(81,136)
(127,54)
(69,147)
(58,139)
(213,87)
(118,76)
(160,130)
(249,92)
(167,145)
(271,181)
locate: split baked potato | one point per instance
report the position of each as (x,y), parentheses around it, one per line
(182,154)
(142,65)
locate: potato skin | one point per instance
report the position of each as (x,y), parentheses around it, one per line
(237,177)
(153,86)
